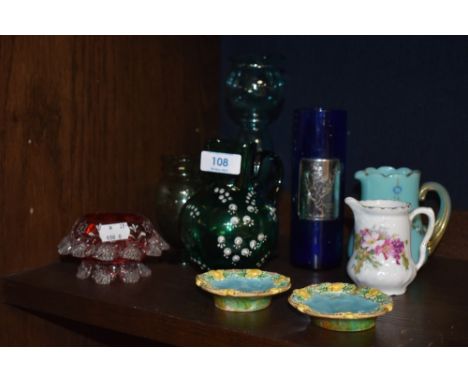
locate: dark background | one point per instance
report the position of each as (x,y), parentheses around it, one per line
(406,97)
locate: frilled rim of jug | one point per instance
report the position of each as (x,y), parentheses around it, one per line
(378,206)
(386,171)
(385,205)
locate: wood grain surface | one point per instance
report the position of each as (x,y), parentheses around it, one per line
(83,124)
(169,308)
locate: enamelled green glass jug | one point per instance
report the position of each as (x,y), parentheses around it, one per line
(232,221)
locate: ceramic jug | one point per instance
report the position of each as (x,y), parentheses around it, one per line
(232,221)
(402,184)
(381,254)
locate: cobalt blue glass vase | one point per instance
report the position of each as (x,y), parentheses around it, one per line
(319,153)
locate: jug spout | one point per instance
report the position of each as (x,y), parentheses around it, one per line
(360,175)
(354,204)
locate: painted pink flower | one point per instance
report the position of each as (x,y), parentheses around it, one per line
(391,248)
(386,249)
(371,241)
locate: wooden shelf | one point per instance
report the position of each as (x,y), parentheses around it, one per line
(168,308)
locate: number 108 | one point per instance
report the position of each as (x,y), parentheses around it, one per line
(220,162)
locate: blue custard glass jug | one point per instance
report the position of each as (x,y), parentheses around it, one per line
(402,184)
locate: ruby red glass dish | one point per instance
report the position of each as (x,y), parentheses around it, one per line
(112,245)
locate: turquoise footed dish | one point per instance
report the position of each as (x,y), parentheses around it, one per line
(242,290)
(341,306)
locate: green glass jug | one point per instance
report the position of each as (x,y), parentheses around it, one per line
(232,221)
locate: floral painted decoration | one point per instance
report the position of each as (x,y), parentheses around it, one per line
(370,244)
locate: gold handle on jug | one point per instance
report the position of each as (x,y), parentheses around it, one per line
(442,216)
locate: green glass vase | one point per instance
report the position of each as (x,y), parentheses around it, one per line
(179,182)
(232,221)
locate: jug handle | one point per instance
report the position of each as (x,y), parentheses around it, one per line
(277,177)
(442,216)
(430,229)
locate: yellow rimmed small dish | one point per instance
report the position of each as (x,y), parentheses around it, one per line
(242,290)
(341,306)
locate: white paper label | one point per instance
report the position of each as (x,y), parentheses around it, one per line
(114,232)
(223,163)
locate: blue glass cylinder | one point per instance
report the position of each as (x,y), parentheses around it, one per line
(318,159)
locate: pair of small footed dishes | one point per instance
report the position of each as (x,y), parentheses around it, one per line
(333,306)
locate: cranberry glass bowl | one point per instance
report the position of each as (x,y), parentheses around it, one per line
(112,245)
